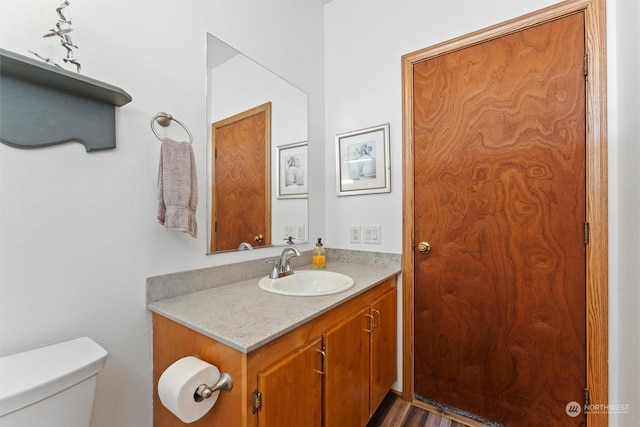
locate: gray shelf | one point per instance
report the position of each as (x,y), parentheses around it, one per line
(43,105)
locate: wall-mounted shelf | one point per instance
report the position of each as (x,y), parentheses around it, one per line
(42,105)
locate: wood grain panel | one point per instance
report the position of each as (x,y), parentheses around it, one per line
(292,389)
(500,195)
(241,190)
(171,342)
(597,212)
(346,383)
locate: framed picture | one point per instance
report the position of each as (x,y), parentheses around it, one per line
(362,161)
(293,171)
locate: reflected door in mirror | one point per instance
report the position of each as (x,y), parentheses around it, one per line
(241,191)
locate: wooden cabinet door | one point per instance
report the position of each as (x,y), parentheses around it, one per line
(346,381)
(383,348)
(292,389)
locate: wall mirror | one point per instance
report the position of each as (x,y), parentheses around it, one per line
(257,163)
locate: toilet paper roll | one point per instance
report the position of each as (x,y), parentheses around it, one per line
(178,383)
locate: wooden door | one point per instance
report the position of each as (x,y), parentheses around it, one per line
(292,389)
(241,186)
(500,196)
(346,379)
(383,348)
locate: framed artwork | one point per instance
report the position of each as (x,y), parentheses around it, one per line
(362,161)
(293,172)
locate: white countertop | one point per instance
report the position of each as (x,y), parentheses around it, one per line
(244,317)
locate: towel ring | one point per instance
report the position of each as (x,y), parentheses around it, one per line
(164,119)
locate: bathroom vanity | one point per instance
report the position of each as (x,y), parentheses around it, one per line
(304,361)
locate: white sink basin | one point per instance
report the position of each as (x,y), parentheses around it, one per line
(306,283)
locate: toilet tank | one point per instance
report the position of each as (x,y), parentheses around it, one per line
(50,386)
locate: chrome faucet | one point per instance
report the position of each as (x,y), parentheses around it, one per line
(245,246)
(282,268)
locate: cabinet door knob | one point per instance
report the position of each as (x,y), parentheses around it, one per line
(424,247)
(258,238)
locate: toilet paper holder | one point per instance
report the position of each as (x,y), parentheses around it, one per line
(203,391)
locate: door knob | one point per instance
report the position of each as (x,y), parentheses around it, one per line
(424,247)
(258,238)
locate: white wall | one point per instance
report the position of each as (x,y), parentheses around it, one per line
(624,208)
(78,234)
(365,40)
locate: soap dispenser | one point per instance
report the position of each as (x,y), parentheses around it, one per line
(319,256)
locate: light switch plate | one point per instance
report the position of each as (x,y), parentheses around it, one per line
(371,234)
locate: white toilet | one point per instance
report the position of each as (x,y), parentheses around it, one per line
(50,386)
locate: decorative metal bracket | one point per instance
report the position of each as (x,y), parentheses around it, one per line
(203,391)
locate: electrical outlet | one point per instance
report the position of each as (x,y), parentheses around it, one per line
(371,234)
(289,231)
(355,234)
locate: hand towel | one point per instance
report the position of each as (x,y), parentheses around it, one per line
(177,187)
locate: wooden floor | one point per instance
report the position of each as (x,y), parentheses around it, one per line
(395,412)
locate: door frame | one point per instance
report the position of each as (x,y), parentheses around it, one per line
(596,187)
